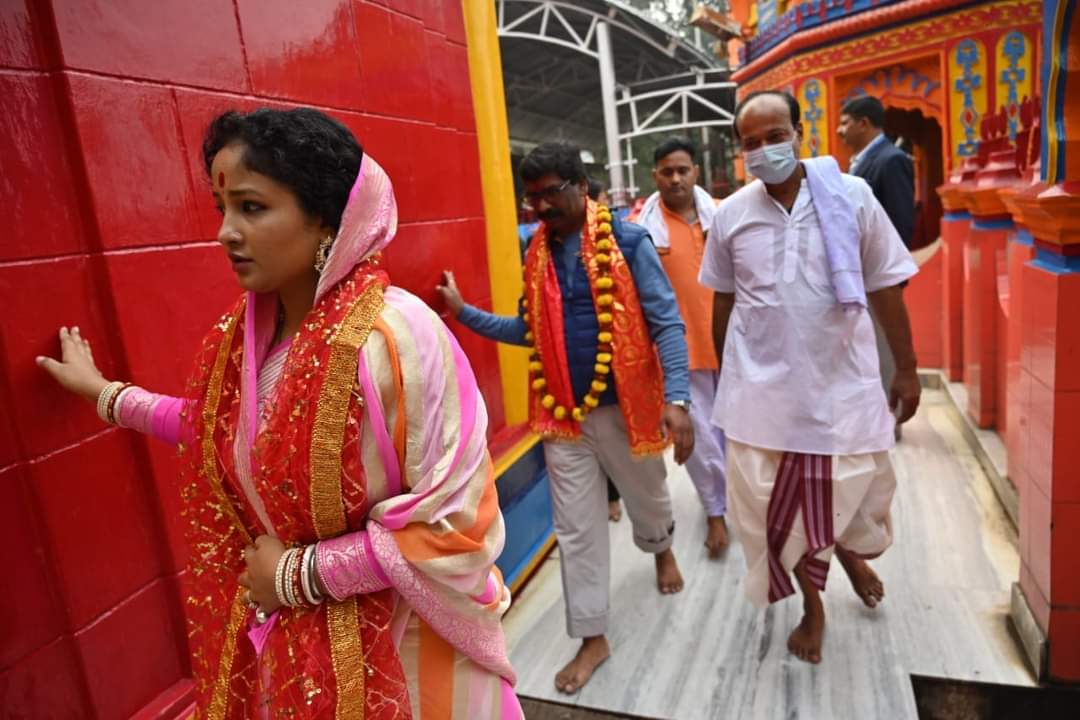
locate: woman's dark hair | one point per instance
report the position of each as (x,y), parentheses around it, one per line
(674,144)
(792,103)
(553,157)
(312,154)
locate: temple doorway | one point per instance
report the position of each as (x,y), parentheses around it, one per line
(920,136)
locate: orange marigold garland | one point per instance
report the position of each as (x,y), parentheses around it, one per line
(605,303)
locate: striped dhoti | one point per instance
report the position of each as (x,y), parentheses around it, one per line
(785,507)
(803,485)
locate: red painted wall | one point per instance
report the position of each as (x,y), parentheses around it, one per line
(108,225)
(923,298)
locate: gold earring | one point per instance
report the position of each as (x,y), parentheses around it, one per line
(322,254)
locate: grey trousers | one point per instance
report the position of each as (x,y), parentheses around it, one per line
(576,470)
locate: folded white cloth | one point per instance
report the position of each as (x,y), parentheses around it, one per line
(651,216)
(840,229)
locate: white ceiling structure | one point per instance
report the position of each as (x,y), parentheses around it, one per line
(557,87)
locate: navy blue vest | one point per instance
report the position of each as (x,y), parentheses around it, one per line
(579,314)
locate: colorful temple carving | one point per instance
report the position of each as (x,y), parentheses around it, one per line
(939,66)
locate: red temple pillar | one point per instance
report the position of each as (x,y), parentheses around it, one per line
(984,262)
(1020,251)
(955,226)
(1046,610)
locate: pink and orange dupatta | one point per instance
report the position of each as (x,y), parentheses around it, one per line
(638,375)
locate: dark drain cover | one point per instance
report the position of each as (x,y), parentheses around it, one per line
(546,710)
(943,699)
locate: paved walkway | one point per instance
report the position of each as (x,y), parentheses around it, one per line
(708,653)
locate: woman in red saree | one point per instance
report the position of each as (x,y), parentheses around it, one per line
(342,515)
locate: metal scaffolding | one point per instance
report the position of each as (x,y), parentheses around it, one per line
(649,79)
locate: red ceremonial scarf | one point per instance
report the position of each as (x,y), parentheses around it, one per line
(638,376)
(321,661)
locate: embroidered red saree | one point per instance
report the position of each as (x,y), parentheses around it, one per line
(373,444)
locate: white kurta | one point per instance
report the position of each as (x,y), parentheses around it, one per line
(799,372)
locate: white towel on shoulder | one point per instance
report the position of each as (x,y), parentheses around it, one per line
(840,229)
(651,216)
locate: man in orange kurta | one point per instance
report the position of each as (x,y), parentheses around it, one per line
(677,217)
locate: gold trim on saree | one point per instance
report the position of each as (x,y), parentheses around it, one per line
(210,417)
(220,696)
(327,503)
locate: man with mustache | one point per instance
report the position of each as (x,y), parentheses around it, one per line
(677,217)
(609,385)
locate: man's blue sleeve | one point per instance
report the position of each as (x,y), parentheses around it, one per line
(500,328)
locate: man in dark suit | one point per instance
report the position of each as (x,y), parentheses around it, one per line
(886,168)
(889,172)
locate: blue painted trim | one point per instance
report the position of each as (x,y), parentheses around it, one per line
(520,476)
(525,502)
(1045,112)
(1054,116)
(956,216)
(516,573)
(1059,110)
(1055,263)
(773,31)
(1023,237)
(992,225)
(529,526)
(807,15)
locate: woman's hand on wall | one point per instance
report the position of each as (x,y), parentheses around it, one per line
(75,370)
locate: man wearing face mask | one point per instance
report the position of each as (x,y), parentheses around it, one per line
(677,216)
(796,258)
(609,385)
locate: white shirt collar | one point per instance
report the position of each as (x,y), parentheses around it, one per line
(862,153)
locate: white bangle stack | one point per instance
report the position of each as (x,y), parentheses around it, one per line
(106,402)
(294,579)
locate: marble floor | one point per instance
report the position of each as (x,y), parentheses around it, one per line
(708,653)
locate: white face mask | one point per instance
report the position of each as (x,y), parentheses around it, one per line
(772,163)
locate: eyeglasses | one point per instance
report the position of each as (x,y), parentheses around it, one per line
(550,194)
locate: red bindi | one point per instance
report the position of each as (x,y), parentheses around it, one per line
(221,179)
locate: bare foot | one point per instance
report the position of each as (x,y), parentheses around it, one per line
(594,651)
(668,578)
(717,538)
(614,511)
(867,584)
(805,640)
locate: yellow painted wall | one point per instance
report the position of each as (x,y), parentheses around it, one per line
(493,139)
